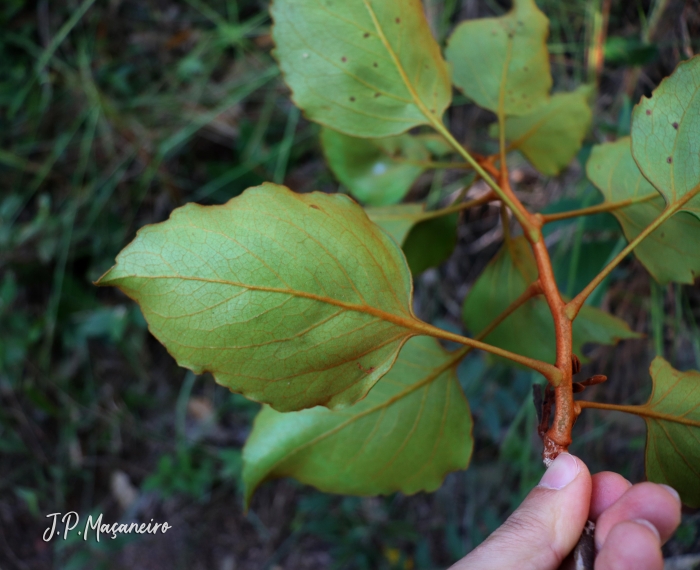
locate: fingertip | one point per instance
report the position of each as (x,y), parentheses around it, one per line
(647,501)
(631,545)
(607,488)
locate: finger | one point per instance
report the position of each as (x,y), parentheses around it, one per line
(542,531)
(631,545)
(608,487)
(657,504)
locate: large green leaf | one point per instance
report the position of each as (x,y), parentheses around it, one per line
(425,242)
(368,68)
(412,429)
(670,253)
(294,300)
(666,135)
(672,415)
(377,172)
(530,329)
(551,136)
(503,60)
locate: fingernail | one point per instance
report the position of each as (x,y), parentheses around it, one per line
(650,526)
(560,473)
(672,491)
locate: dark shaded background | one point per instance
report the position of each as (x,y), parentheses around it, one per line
(112,113)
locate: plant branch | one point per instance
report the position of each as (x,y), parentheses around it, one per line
(511,201)
(605,207)
(574,306)
(643,411)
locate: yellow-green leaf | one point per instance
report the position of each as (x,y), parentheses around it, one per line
(294,300)
(670,253)
(412,429)
(551,136)
(672,415)
(503,62)
(367,68)
(666,135)
(530,329)
(377,172)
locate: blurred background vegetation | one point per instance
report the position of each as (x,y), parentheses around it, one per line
(114,112)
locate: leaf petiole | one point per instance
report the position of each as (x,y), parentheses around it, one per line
(643,411)
(574,306)
(605,207)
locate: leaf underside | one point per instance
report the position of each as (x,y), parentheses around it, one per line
(666,135)
(670,253)
(551,136)
(367,68)
(377,172)
(503,60)
(294,300)
(673,436)
(412,429)
(530,330)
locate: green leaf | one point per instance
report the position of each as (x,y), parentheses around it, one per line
(430,242)
(397,220)
(367,68)
(672,415)
(503,57)
(666,135)
(530,329)
(551,136)
(294,300)
(425,243)
(412,429)
(670,253)
(377,172)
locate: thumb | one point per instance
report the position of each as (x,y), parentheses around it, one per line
(545,528)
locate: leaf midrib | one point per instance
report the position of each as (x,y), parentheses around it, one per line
(410,323)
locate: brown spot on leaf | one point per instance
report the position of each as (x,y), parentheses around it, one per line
(343,59)
(669,160)
(675,126)
(648,111)
(352,98)
(314,206)
(398,20)
(375,64)
(365,35)
(377,95)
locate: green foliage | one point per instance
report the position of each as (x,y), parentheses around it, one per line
(376,171)
(411,430)
(430,242)
(366,68)
(672,415)
(530,330)
(502,63)
(294,300)
(304,301)
(670,252)
(551,136)
(666,136)
(425,242)
(398,220)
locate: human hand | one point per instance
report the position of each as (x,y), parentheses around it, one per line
(632,522)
